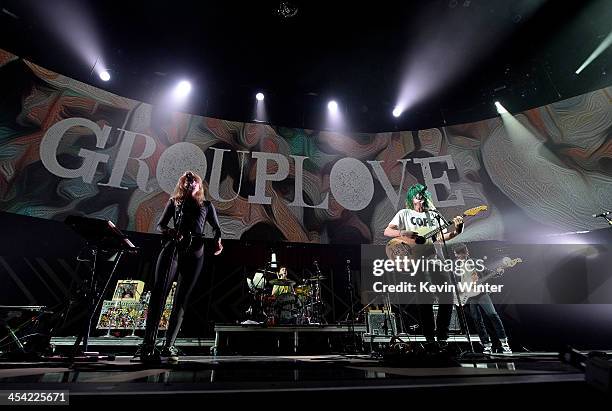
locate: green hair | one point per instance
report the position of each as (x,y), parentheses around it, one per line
(413,191)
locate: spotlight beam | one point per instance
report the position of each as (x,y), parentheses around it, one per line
(500,109)
(600,49)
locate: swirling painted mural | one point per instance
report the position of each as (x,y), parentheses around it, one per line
(70,148)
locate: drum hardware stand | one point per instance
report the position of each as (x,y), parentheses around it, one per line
(316,301)
(256,311)
(353,347)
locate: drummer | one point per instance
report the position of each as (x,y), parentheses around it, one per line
(282,289)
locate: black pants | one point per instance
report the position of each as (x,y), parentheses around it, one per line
(442,322)
(439,326)
(482,304)
(187,265)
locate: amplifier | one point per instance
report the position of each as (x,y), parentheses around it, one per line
(376,323)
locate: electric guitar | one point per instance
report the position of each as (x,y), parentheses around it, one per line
(406,246)
(496,272)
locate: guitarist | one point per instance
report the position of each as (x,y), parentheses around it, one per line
(183,255)
(411,224)
(480,304)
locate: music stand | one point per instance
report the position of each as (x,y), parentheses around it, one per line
(101,236)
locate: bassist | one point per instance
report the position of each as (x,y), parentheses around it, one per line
(481,304)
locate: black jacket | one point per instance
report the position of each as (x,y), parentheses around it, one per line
(194,217)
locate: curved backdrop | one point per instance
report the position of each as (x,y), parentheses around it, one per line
(69,148)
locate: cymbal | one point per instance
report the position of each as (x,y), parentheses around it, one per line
(317,278)
(282,282)
(264,270)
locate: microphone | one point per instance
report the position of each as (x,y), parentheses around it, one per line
(604,214)
(422,191)
(189,180)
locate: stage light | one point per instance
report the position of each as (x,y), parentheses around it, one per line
(397,112)
(182,89)
(500,109)
(259,110)
(332,106)
(104,75)
(286,10)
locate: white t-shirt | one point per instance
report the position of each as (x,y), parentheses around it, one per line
(420,223)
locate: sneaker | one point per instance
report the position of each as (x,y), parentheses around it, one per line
(171,352)
(505,346)
(488,348)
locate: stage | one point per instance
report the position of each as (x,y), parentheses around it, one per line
(256,339)
(373,368)
(297,377)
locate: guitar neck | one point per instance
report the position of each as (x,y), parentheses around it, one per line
(437,230)
(443,227)
(492,274)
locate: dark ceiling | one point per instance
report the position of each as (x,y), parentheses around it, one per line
(522,52)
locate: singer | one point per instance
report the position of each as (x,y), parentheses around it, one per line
(181,259)
(413,222)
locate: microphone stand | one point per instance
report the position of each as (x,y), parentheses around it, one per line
(352,310)
(265,316)
(461,310)
(607,215)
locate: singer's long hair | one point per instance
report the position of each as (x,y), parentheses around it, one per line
(413,191)
(181,191)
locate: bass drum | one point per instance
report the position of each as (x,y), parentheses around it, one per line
(287,307)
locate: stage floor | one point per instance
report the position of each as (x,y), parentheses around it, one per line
(354,376)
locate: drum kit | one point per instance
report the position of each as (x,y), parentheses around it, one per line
(279,301)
